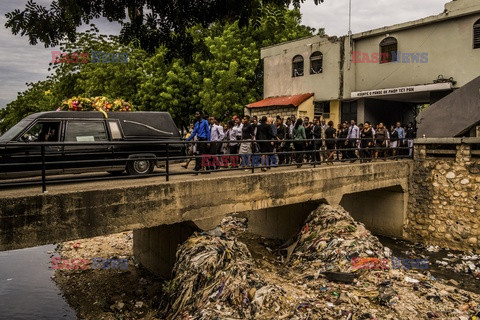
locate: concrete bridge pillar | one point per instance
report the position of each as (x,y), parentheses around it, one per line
(155,248)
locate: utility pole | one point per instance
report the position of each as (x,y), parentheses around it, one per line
(350,49)
(350,18)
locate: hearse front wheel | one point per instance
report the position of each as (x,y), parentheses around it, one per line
(140,167)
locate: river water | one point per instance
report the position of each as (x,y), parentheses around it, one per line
(28,292)
(26,288)
(404,249)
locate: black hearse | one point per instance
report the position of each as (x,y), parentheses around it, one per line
(80,141)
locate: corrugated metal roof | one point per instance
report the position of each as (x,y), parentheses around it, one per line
(295,101)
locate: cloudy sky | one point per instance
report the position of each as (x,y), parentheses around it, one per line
(21,62)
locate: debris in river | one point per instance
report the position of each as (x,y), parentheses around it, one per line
(215,276)
(466,262)
(328,242)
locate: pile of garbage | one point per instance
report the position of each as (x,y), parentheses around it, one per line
(215,277)
(233,225)
(329,241)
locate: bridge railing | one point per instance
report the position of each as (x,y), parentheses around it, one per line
(43,163)
(458,148)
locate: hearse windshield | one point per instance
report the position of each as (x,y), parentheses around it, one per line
(14,131)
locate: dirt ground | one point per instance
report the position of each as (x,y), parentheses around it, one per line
(133,293)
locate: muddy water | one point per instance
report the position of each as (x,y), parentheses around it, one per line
(405,249)
(26,288)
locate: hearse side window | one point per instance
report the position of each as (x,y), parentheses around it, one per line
(86,131)
(115,130)
(42,131)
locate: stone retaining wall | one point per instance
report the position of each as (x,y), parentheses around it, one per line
(444,192)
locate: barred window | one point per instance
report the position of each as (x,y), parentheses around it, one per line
(476,35)
(297,66)
(316,62)
(388,50)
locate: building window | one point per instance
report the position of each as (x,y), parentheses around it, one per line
(388,50)
(316,62)
(476,35)
(297,66)
(349,111)
(322,108)
(317,108)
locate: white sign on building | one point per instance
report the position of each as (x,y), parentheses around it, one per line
(401,90)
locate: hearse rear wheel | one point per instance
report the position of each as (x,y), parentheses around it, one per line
(140,167)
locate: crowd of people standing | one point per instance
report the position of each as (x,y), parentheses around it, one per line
(297,141)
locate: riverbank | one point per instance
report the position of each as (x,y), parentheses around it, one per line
(107,294)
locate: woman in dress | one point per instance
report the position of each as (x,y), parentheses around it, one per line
(367,142)
(299,145)
(265,132)
(381,136)
(330,135)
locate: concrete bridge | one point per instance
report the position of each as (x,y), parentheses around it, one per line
(163,214)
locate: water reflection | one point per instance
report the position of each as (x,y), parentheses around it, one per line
(26,289)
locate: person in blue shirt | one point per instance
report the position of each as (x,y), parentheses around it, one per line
(400,131)
(401,138)
(201,130)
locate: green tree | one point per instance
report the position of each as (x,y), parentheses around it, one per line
(38,97)
(151,22)
(224,73)
(171,87)
(113,80)
(232,70)
(97,77)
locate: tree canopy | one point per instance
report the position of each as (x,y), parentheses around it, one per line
(150,22)
(115,80)
(224,72)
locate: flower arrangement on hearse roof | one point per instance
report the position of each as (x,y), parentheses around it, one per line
(102,104)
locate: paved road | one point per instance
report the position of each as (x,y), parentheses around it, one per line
(106,181)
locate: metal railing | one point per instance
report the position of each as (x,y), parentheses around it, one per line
(39,158)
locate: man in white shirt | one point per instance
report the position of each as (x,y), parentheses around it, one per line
(216,137)
(235,134)
(353,136)
(323,123)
